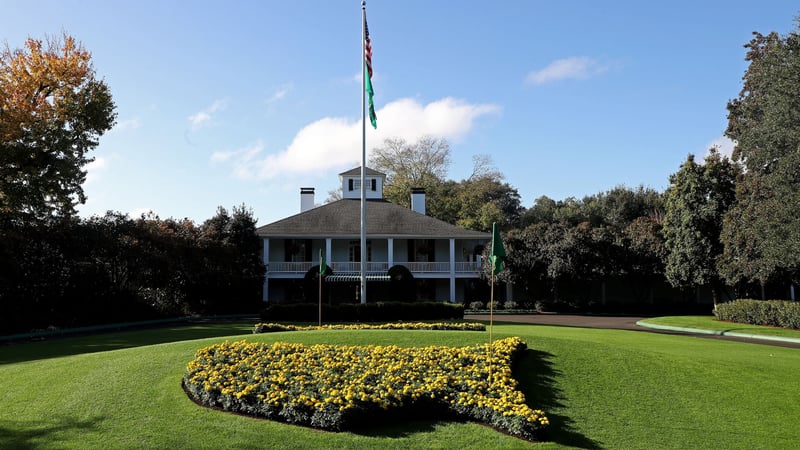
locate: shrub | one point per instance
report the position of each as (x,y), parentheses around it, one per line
(476,306)
(509,304)
(776,313)
(369,312)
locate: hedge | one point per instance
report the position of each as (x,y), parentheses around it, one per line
(357,312)
(776,313)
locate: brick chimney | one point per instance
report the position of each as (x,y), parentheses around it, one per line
(306,198)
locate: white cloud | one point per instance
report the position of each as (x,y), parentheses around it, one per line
(280,93)
(203,118)
(576,68)
(723,145)
(127,125)
(95,168)
(241,160)
(335,141)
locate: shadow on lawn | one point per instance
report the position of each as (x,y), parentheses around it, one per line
(537,380)
(35,434)
(101,342)
(400,429)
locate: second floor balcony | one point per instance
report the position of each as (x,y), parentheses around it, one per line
(377,267)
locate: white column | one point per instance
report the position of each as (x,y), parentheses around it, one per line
(265,259)
(452,270)
(328,256)
(390,251)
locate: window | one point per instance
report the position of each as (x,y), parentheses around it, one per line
(298,250)
(354,184)
(355,251)
(423,250)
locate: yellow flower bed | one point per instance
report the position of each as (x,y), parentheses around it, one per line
(337,387)
(462,326)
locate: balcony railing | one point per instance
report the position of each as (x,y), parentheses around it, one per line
(375,267)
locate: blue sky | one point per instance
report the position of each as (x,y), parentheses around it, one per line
(244,102)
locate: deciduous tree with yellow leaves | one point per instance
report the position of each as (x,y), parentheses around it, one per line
(52,112)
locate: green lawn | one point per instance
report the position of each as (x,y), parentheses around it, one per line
(711,323)
(601,389)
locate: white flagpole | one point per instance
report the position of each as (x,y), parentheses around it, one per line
(363,264)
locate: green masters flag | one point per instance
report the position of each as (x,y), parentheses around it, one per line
(498,252)
(372,117)
(322,267)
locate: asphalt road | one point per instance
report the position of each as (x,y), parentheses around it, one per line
(613,322)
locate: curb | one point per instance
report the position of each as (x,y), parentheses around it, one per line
(790,340)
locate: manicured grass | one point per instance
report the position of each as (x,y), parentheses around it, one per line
(600,388)
(711,323)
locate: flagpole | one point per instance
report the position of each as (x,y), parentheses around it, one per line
(496,259)
(321,274)
(363,258)
(491,324)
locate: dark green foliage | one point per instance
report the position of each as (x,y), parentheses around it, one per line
(698,198)
(357,312)
(113,268)
(401,284)
(776,313)
(614,208)
(762,233)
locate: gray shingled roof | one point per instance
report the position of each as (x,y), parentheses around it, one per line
(384,219)
(357,171)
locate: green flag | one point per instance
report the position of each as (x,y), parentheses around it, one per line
(372,117)
(498,252)
(322,266)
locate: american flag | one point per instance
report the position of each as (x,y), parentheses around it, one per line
(367,47)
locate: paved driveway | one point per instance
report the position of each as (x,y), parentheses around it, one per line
(611,322)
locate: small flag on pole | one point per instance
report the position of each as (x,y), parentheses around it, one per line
(368,73)
(322,266)
(498,252)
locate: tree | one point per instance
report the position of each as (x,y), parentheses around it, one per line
(642,255)
(745,257)
(698,198)
(762,234)
(423,164)
(232,259)
(52,112)
(542,211)
(485,200)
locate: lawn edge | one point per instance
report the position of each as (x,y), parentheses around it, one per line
(644,323)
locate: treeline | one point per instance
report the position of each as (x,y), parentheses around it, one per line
(565,252)
(75,272)
(638,250)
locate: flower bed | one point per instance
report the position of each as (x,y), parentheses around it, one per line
(463,326)
(338,387)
